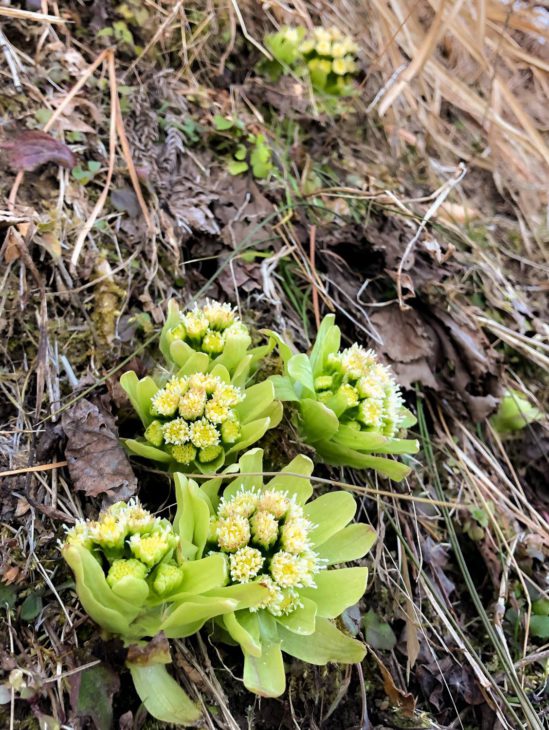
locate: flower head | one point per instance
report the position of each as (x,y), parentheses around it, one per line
(265,530)
(167,578)
(245,564)
(151,548)
(123,568)
(206,328)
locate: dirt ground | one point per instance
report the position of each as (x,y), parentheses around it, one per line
(414,208)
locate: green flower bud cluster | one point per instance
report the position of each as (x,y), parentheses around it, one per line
(350,405)
(207,328)
(195,418)
(326,55)
(266,538)
(129,542)
(361,391)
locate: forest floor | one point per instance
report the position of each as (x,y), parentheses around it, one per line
(414,208)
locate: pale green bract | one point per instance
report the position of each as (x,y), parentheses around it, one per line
(199,420)
(271,535)
(137,576)
(350,406)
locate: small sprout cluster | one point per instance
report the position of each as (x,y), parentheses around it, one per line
(325,54)
(206,328)
(195,417)
(361,391)
(130,542)
(266,538)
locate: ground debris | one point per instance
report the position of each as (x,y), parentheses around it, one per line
(97,462)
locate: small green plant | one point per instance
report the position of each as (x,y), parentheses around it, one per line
(247,150)
(326,56)
(84,175)
(138,575)
(199,421)
(271,535)
(350,406)
(210,335)
(514,413)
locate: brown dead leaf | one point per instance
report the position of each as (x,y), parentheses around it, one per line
(12,243)
(156,651)
(29,150)
(97,462)
(397,697)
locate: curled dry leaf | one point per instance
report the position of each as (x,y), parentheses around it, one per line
(29,150)
(97,462)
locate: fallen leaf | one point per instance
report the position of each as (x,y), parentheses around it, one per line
(29,150)
(397,697)
(91,694)
(97,462)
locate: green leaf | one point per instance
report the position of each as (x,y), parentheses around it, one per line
(133,590)
(197,362)
(257,399)
(265,675)
(222,123)
(379,635)
(260,158)
(359,440)
(297,487)
(140,393)
(174,315)
(300,370)
(184,617)
(407,418)
(31,607)
(539,626)
(243,628)
(251,432)
(162,696)
(251,462)
(284,389)
(234,352)
(329,513)
(204,575)
(336,590)
(303,619)
(541,607)
(350,543)
(514,413)
(399,446)
(8,596)
(327,644)
(103,606)
(142,448)
(95,692)
(319,421)
(328,339)
(236,168)
(192,519)
(341,456)
(94,166)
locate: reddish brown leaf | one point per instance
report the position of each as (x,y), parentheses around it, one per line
(97,461)
(156,651)
(29,150)
(396,696)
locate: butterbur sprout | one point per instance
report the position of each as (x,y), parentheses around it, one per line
(350,405)
(271,535)
(136,576)
(326,55)
(208,335)
(199,421)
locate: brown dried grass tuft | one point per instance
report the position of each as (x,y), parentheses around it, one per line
(473,76)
